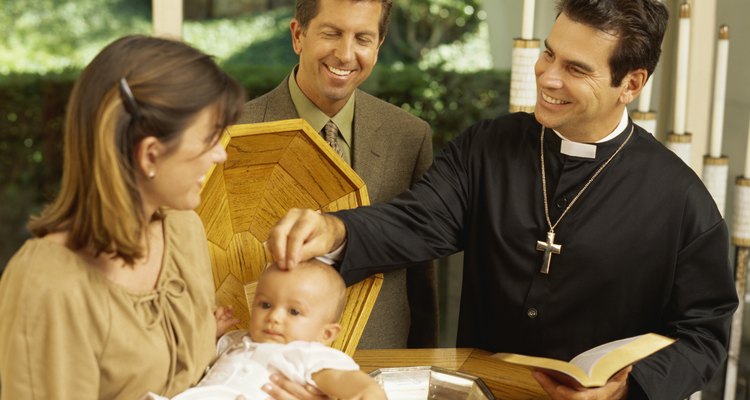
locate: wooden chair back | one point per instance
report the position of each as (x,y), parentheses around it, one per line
(270,168)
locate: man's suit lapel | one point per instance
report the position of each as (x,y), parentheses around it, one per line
(280,105)
(369,147)
(369,152)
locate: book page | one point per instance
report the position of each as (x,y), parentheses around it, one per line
(550,364)
(589,358)
(596,366)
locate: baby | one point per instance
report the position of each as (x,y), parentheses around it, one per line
(294,318)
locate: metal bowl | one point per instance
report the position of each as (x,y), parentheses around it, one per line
(422,383)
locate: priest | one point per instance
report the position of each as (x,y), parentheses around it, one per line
(578,227)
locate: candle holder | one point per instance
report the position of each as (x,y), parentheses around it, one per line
(681,145)
(644,116)
(522,77)
(741,215)
(715,176)
(645,119)
(741,240)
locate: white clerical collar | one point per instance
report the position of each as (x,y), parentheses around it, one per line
(588,150)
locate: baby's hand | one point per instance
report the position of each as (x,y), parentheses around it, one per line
(225,319)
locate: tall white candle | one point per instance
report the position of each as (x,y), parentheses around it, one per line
(720,90)
(644,100)
(527,27)
(682,70)
(747,156)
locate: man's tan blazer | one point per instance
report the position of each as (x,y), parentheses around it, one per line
(391,149)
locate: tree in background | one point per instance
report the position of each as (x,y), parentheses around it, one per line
(43,36)
(418,26)
(197,10)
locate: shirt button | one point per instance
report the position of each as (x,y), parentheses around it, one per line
(532,313)
(561,202)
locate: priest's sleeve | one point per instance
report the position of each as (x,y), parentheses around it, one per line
(700,308)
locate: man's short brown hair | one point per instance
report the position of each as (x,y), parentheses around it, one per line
(306,10)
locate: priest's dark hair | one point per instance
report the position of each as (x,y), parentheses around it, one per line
(638,24)
(306,10)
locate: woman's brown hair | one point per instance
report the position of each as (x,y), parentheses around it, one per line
(138,86)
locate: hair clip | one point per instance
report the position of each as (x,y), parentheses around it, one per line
(129,101)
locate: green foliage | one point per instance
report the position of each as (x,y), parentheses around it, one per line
(418,26)
(449,101)
(31,120)
(260,39)
(74,32)
(52,35)
(258,79)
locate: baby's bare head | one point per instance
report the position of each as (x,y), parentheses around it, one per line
(304,303)
(329,289)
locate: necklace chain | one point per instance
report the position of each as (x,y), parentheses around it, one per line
(580,192)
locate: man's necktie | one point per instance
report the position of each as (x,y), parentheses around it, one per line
(331,132)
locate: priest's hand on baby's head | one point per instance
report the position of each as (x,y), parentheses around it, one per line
(304,234)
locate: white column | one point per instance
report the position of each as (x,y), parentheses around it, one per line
(720,90)
(700,85)
(167,18)
(681,74)
(527,23)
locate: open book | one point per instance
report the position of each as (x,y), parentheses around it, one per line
(594,367)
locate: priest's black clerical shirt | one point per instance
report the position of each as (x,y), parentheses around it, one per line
(644,249)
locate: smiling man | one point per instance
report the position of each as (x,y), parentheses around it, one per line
(337,42)
(578,227)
